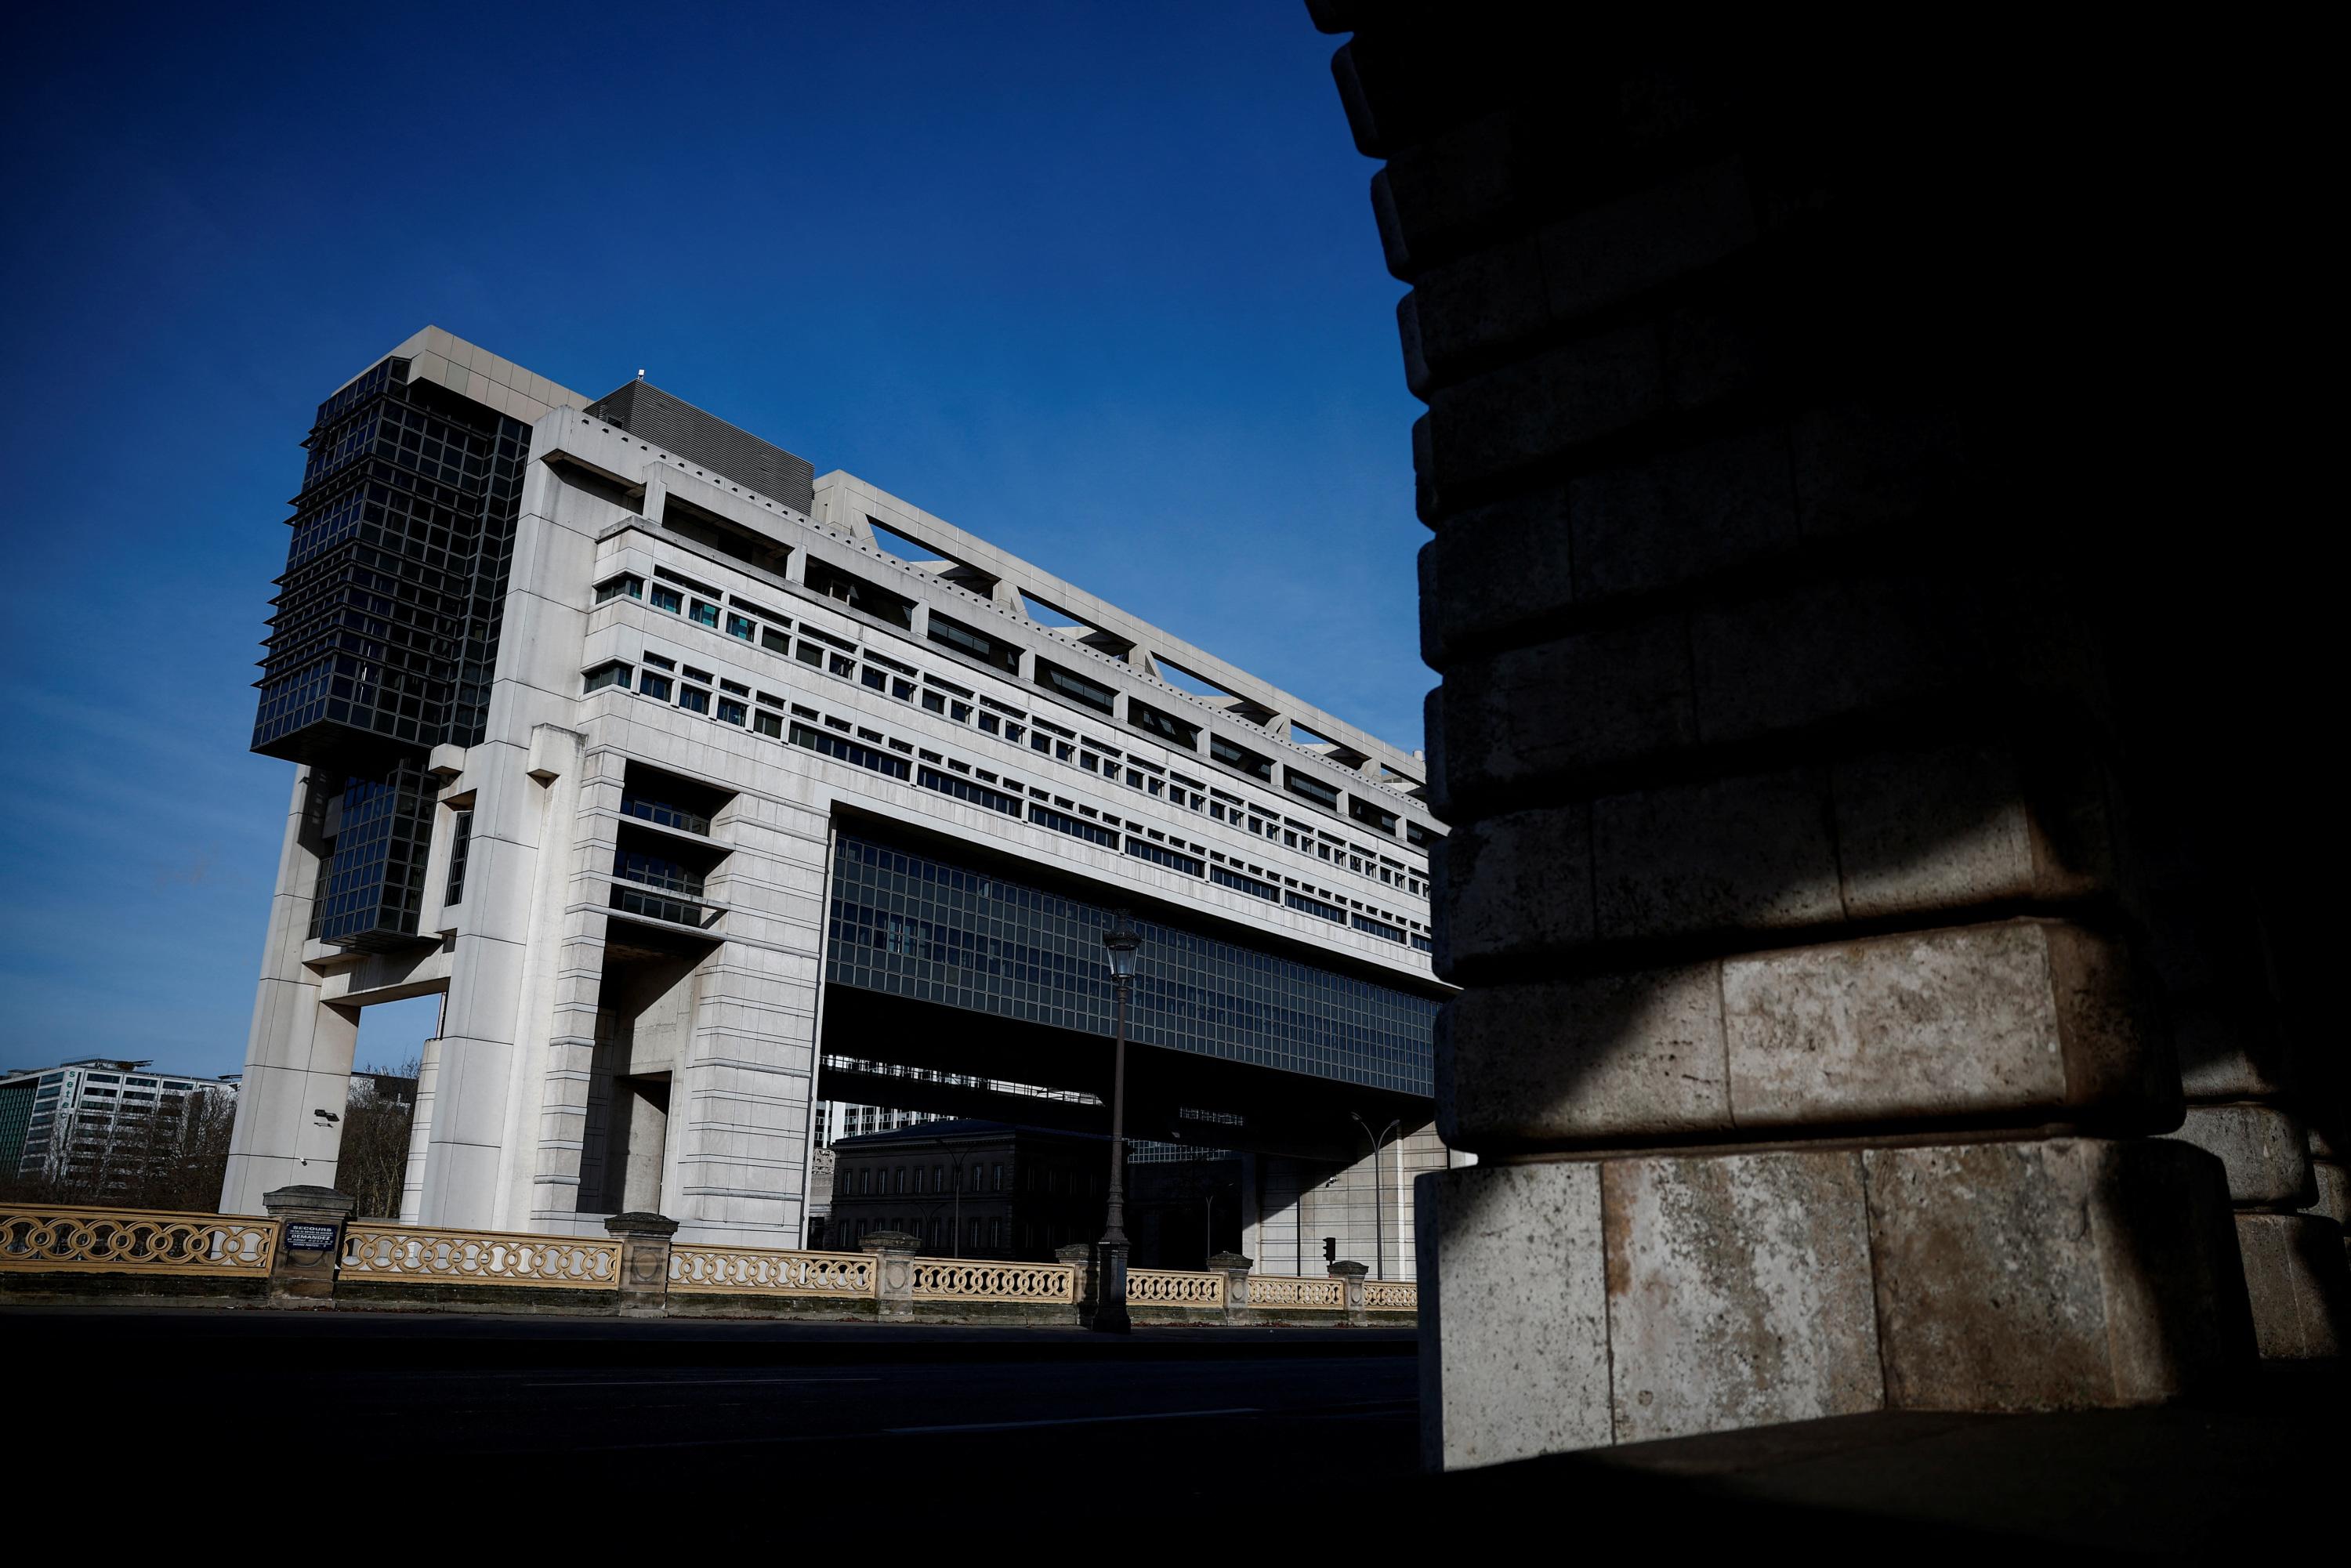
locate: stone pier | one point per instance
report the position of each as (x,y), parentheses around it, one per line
(1816,1042)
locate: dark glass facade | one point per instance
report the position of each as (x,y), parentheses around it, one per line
(386,628)
(371,886)
(910,926)
(385,633)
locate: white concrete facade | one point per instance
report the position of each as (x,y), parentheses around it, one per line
(521,1093)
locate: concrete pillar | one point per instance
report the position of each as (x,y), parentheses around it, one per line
(310,1243)
(1789,881)
(893,1271)
(298,1056)
(1236,1269)
(644,1262)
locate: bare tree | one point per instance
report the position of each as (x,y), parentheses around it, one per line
(172,1154)
(372,1165)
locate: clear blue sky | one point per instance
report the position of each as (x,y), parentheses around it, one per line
(1098,282)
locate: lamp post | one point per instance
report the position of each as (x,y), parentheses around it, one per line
(1123,941)
(1379,1209)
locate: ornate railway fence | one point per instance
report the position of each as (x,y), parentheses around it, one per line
(309,1248)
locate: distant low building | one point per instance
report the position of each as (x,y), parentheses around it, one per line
(78,1120)
(969,1189)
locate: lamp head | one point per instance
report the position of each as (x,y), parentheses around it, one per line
(1123,941)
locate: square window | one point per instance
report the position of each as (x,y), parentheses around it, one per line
(653,685)
(668,598)
(694,699)
(706,614)
(739,626)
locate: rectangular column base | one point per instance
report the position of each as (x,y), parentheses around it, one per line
(1573,1304)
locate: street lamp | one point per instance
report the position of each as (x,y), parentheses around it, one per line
(1379,1212)
(1123,941)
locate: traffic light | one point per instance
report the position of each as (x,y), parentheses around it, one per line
(1330,1249)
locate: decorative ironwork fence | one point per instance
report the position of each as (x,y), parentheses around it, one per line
(479,1257)
(148,1241)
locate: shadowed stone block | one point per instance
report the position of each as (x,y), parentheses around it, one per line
(1507,885)
(1889,833)
(2022,1015)
(2295,1275)
(2265,1151)
(2051,1274)
(1739,1292)
(1575,1303)
(2025,1018)
(2333,1185)
(1753,853)
(1513,1316)
(1611,1058)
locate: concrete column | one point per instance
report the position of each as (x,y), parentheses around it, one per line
(893,1271)
(420,1134)
(1236,1269)
(644,1262)
(298,1056)
(1789,881)
(310,1245)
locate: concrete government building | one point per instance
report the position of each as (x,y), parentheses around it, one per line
(705,790)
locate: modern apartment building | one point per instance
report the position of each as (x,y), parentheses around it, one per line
(710,791)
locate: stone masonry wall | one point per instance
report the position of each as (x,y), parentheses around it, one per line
(1801,880)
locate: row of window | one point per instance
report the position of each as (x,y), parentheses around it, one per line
(834,655)
(874,751)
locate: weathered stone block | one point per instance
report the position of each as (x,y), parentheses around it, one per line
(1746,853)
(1862,466)
(2332,1184)
(2021,1018)
(1577,703)
(1456,181)
(1519,883)
(1470,308)
(1608,254)
(1609,1058)
(1739,1292)
(1963,826)
(1513,1316)
(2296,1277)
(2264,1149)
(1517,554)
(2052,1274)
(2026,1020)
(1540,407)
(1709,507)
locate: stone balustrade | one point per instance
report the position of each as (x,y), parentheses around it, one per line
(310,1249)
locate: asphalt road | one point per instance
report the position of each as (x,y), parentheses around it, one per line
(1175,1437)
(921,1419)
